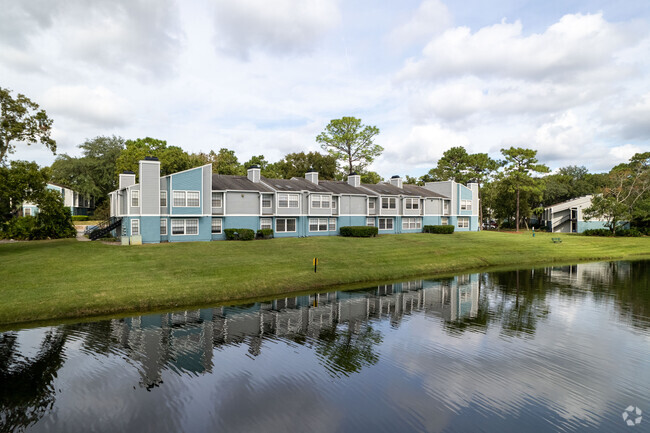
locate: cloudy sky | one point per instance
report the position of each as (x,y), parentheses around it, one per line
(568,78)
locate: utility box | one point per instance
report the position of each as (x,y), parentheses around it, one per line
(136,240)
(125,240)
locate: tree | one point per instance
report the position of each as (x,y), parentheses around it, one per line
(479,168)
(520,165)
(297,164)
(350,142)
(53,219)
(172,158)
(21,120)
(452,166)
(413,181)
(370,177)
(23,181)
(226,162)
(628,185)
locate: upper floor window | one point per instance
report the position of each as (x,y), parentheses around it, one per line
(266,201)
(445,207)
(288,200)
(412,203)
(320,201)
(163,198)
(388,203)
(371,203)
(135,198)
(186,199)
(217,199)
(466,205)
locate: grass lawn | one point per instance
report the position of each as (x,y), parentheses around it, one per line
(46,280)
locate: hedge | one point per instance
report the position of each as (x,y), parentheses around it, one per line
(80,217)
(443,230)
(265,234)
(359,231)
(242,234)
(597,232)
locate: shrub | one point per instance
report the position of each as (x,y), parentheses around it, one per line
(631,233)
(19,228)
(53,220)
(265,234)
(359,231)
(242,234)
(597,232)
(443,230)
(79,217)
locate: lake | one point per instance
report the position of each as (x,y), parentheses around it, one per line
(546,349)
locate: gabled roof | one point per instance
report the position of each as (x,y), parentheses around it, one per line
(294,184)
(568,202)
(423,192)
(384,188)
(342,187)
(221,182)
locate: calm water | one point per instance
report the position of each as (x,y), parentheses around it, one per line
(548,349)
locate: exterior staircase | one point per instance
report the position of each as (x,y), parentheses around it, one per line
(105,227)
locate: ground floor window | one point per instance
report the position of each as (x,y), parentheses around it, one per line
(317,224)
(463,222)
(266,223)
(332,224)
(27,211)
(135,227)
(185,226)
(216,226)
(444,221)
(385,224)
(285,225)
(370,222)
(411,223)
(163,227)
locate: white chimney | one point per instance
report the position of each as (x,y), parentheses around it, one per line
(354,179)
(312,176)
(396,181)
(254,173)
(127,178)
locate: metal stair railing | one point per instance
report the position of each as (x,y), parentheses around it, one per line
(105,227)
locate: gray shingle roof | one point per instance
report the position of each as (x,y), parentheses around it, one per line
(341,187)
(222,182)
(418,190)
(294,184)
(386,189)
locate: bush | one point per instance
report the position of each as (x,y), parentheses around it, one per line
(242,234)
(597,232)
(442,230)
(630,233)
(265,234)
(19,228)
(79,217)
(359,231)
(53,220)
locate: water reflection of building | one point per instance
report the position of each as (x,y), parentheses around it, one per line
(185,341)
(584,275)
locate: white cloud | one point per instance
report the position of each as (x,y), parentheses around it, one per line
(279,27)
(96,106)
(623,153)
(430,18)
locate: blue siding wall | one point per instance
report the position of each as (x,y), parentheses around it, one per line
(150,229)
(590,225)
(236,222)
(191,180)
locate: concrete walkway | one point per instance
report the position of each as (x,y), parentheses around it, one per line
(80,234)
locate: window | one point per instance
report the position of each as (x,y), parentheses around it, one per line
(285,225)
(371,204)
(320,201)
(412,203)
(266,201)
(266,223)
(320,224)
(216,226)
(135,198)
(135,227)
(216,199)
(332,226)
(186,199)
(445,207)
(193,199)
(463,222)
(163,198)
(288,200)
(27,211)
(466,205)
(411,223)
(370,222)
(388,203)
(163,227)
(333,203)
(444,221)
(185,226)
(385,224)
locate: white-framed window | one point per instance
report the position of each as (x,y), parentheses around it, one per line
(285,225)
(332,226)
(193,199)
(266,201)
(288,200)
(188,226)
(163,198)
(135,198)
(463,222)
(333,202)
(370,222)
(217,198)
(385,224)
(163,227)
(371,203)
(388,203)
(135,227)
(216,226)
(27,211)
(320,201)
(444,221)
(466,205)
(411,223)
(318,225)
(412,203)
(266,223)
(445,207)
(186,198)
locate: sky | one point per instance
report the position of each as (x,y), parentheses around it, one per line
(568,78)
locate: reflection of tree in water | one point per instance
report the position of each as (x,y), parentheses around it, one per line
(347,351)
(26,384)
